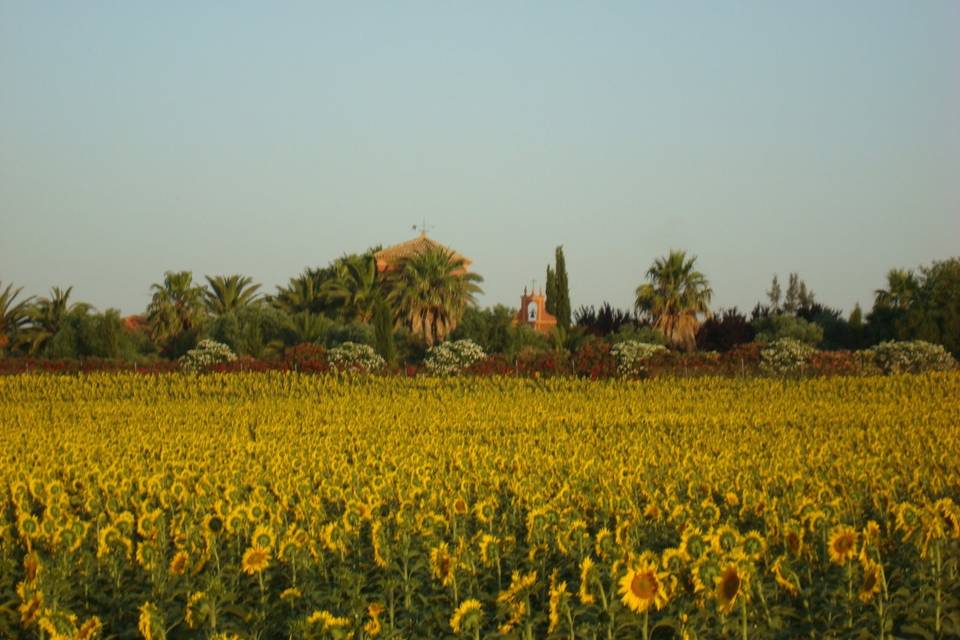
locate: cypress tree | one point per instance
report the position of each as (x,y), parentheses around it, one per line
(551,303)
(383,331)
(563,291)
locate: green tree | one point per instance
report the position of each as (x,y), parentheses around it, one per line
(933,314)
(901,288)
(304,293)
(551,291)
(383,322)
(224,294)
(14,317)
(429,291)
(354,289)
(774,295)
(562,307)
(176,313)
(48,315)
(674,298)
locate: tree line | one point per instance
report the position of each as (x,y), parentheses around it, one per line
(428,297)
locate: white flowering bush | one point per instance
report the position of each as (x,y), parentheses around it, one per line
(785,357)
(355,357)
(206,354)
(452,357)
(915,356)
(632,356)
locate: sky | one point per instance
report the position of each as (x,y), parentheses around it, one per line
(260,138)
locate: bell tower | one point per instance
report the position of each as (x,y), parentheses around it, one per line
(533,312)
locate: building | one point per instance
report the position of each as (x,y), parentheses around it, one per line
(388,259)
(533,312)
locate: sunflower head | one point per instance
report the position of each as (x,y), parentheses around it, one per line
(872,581)
(642,587)
(729,586)
(842,545)
(255,560)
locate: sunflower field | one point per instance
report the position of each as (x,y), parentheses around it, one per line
(282,505)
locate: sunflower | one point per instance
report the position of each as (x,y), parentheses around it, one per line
(872,581)
(604,544)
(753,545)
(730,585)
(255,560)
(442,563)
(672,560)
(213,525)
(725,539)
(150,624)
(467,615)
(642,587)
(263,537)
(328,620)
(786,578)
(488,548)
(373,627)
(705,571)
(558,600)
(842,545)
(90,629)
(179,563)
(692,544)
(587,573)
(794,541)
(460,506)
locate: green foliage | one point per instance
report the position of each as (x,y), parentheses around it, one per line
(353,291)
(915,356)
(225,294)
(383,331)
(491,327)
(933,314)
(14,317)
(562,307)
(256,330)
(85,335)
(787,326)
(641,333)
(550,304)
(176,313)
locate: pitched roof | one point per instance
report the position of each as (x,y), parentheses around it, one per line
(418,245)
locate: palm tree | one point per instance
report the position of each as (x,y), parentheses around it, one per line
(229,293)
(430,291)
(674,297)
(354,288)
(303,293)
(176,307)
(902,285)
(304,327)
(13,316)
(48,315)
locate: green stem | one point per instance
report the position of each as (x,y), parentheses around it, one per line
(743,618)
(646,624)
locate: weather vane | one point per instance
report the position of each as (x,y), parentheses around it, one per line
(422,227)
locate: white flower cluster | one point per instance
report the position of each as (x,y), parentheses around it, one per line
(785,357)
(206,354)
(915,356)
(632,356)
(449,358)
(355,357)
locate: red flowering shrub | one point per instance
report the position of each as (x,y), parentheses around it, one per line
(593,360)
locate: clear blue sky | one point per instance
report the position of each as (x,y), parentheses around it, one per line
(821,137)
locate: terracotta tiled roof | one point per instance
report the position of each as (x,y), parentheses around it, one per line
(391,255)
